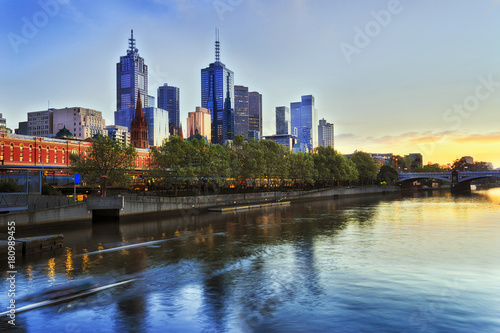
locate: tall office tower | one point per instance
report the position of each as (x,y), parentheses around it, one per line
(217,94)
(255,112)
(131,78)
(295,117)
(304,119)
(139,127)
(241,111)
(282,120)
(168,99)
(199,121)
(325,133)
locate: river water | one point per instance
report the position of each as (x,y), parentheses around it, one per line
(426,262)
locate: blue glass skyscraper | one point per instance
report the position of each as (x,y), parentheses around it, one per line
(217,94)
(169,99)
(131,78)
(304,122)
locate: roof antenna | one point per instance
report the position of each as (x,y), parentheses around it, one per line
(131,41)
(217,46)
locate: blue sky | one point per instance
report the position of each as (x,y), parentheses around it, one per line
(394,76)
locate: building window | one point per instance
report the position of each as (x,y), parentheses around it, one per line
(2,146)
(63,157)
(11,152)
(30,157)
(39,154)
(47,155)
(21,152)
(55,155)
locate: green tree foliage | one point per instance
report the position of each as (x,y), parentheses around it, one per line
(107,162)
(366,166)
(388,175)
(333,168)
(302,170)
(264,164)
(275,161)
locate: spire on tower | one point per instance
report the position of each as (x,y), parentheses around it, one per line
(131,42)
(217,46)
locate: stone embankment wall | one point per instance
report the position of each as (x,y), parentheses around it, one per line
(150,204)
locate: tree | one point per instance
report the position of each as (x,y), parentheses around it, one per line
(387,174)
(366,166)
(107,162)
(175,157)
(275,161)
(301,168)
(432,167)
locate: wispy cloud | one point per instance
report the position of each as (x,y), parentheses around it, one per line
(479,138)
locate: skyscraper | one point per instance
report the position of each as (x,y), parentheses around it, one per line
(168,99)
(131,78)
(217,94)
(241,111)
(304,120)
(282,120)
(325,133)
(199,121)
(255,112)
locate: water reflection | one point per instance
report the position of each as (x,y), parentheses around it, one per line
(359,264)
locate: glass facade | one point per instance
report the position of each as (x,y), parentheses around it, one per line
(131,78)
(217,94)
(254,111)
(241,111)
(286,140)
(168,99)
(304,119)
(282,120)
(156,118)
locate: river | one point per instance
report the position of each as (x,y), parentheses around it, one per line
(423,262)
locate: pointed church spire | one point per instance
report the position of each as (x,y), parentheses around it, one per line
(181,133)
(217,46)
(139,127)
(138,108)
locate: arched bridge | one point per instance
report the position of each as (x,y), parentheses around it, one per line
(452,176)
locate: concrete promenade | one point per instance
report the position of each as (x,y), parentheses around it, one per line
(135,205)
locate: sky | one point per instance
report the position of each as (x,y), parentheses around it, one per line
(408,76)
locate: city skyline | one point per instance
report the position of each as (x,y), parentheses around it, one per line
(392,76)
